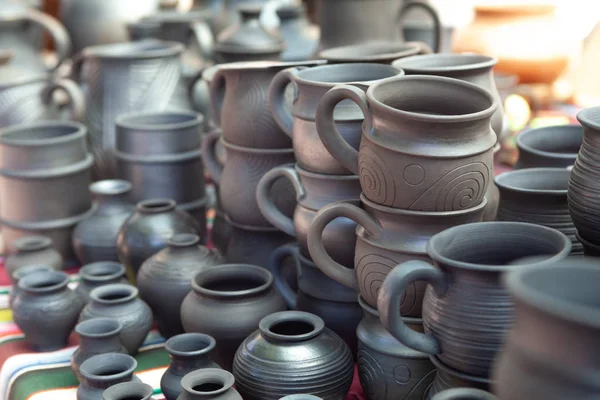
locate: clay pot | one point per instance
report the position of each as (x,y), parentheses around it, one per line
(148,230)
(96,336)
(165,278)
(313,191)
(128,391)
(387,369)
(239,178)
(189,352)
(300,36)
(103,371)
(538,196)
(46,310)
(373,52)
(546,354)
(208,384)
(448,378)
(413,125)
(469,262)
(248,40)
(294,348)
(549,146)
(386,237)
(33,250)
(159,153)
(48,158)
(583,183)
(119,301)
(464,394)
(317,294)
(95,238)
(298,122)
(21,273)
(243,293)
(98,274)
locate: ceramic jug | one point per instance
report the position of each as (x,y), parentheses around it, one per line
(465,298)
(298,121)
(373,52)
(313,191)
(346,22)
(549,146)
(426,145)
(384,238)
(18,35)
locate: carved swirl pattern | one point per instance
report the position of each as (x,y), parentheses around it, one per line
(371,375)
(459,189)
(376,179)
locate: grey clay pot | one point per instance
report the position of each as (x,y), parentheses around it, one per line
(33,250)
(549,146)
(21,273)
(209,384)
(128,391)
(448,378)
(98,274)
(46,310)
(103,371)
(373,52)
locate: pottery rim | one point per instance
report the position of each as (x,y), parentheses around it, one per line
(99,363)
(445,62)
(207,375)
(183,240)
(159,120)
(111,187)
(371,51)
(586,243)
(121,292)
(63,132)
(180,345)
(323,177)
(28,270)
(383,71)
(521,141)
(102,271)
(156,206)
(560,176)
(129,390)
(32,243)
(44,282)
(233,271)
(261,65)
(145,49)
(557,239)
(99,327)
(463,393)
(316,324)
(590,117)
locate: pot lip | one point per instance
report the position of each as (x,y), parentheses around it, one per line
(250,228)
(533,131)
(255,270)
(111,187)
(249,150)
(100,359)
(415,213)
(300,79)
(590,117)
(373,311)
(81,327)
(61,279)
(264,64)
(206,375)
(457,231)
(114,270)
(28,270)
(553,305)
(133,389)
(341,53)
(97,293)
(139,50)
(156,206)
(503,181)
(472,61)
(209,341)
(276,318)
(430,118)
(324,177)
(32,243)
(128,121)
(78,131)
(183,240)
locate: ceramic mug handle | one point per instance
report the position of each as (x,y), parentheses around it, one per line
(437,25)
(209,155)
(76,97)
(216,89)
(203,36)
(464,394)
(265,200)
(281,112)
(328,132)
(276,266)
(316,248)
(390,297)
(60,36)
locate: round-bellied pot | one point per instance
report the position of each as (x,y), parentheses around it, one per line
(46,310)
(98,274)
(293,352)
(33,250)
(547,352)
(448,378)
(208,384)
(549,146)
(538,196)
(120,301)
(464,394)
(21,273)
(165,278)
(95,238)
(465,297)
(189,352)
(102,371)
(386,237)
(227,302)
(96,336)
(128,391)
(44,163)
(148,230)
(382,52)
(387,369)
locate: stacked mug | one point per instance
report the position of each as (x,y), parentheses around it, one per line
(424,164)
(318,180)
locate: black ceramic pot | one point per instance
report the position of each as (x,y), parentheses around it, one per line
(98,274)
(208,384)
(128,391)
(103,371)
(549,146)
(21,273)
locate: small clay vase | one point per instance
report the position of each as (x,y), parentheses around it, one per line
(549,146)
(293,347)
(448,378)
(128,391)
(120,301)
(464,394)
(227,302)
(21,273)
(99,274)
(189,352)
(95,238)
(33,250)
(165,278)
(148,230)
(208,384)
(103,371)
(96,336)
(46,310)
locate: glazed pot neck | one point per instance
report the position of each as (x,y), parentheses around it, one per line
(116,294)
(44,283)
(102,273)
(156,206)
(206,384)
(183,364)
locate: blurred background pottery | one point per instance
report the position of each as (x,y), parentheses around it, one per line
(98,274)
(33,250)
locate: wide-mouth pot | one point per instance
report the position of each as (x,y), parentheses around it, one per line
(43,133)
(337,74)
(440,63)
(559,141)
(232,281)
(542,181)
(370,52)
